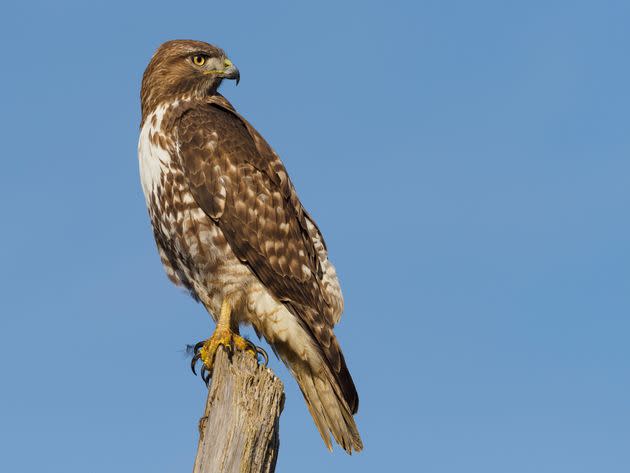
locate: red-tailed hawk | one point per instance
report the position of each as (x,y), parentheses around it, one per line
(231,229)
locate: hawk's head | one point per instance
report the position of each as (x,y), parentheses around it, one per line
(181,67)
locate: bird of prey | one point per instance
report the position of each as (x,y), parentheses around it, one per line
(231,229)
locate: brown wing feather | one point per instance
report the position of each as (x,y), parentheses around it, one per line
(239,181)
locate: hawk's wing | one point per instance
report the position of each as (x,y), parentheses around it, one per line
(240,183)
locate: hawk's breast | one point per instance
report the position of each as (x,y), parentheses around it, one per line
(192,247)
(153,158)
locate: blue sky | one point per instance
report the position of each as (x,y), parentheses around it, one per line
(468,163)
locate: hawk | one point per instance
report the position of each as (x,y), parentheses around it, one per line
(230,228)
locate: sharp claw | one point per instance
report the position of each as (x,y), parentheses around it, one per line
(258,351)
(194,362)
(263,353)
(205,375)
(198,347)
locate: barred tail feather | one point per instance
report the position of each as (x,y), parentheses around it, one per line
(321,372)
(329,410)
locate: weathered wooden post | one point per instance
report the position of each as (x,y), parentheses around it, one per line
(239,432)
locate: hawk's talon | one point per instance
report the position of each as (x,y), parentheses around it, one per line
(231,342)
(256,350)
(263,353)
(194,361)
(196,357)
(205,375)
(206,350)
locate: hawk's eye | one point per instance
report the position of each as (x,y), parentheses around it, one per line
(199,60)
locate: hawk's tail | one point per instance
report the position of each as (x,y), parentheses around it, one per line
(326,401)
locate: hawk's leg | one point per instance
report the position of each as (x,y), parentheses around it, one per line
(227,337)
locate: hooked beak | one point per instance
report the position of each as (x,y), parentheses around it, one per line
(230,71)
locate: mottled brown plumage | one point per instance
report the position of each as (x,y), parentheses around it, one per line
(229,224)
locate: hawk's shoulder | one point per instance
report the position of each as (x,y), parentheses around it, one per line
(240,183)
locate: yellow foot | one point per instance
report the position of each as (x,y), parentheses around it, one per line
(207,350)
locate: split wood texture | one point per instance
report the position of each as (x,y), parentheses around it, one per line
(239,432)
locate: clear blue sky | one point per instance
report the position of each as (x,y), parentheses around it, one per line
(468,163)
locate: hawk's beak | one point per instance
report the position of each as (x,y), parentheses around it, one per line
(231,71)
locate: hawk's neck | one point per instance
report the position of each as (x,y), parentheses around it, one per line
(180,103)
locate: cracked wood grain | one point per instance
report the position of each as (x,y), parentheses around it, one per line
(239,432)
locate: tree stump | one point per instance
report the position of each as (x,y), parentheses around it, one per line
(239,432)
